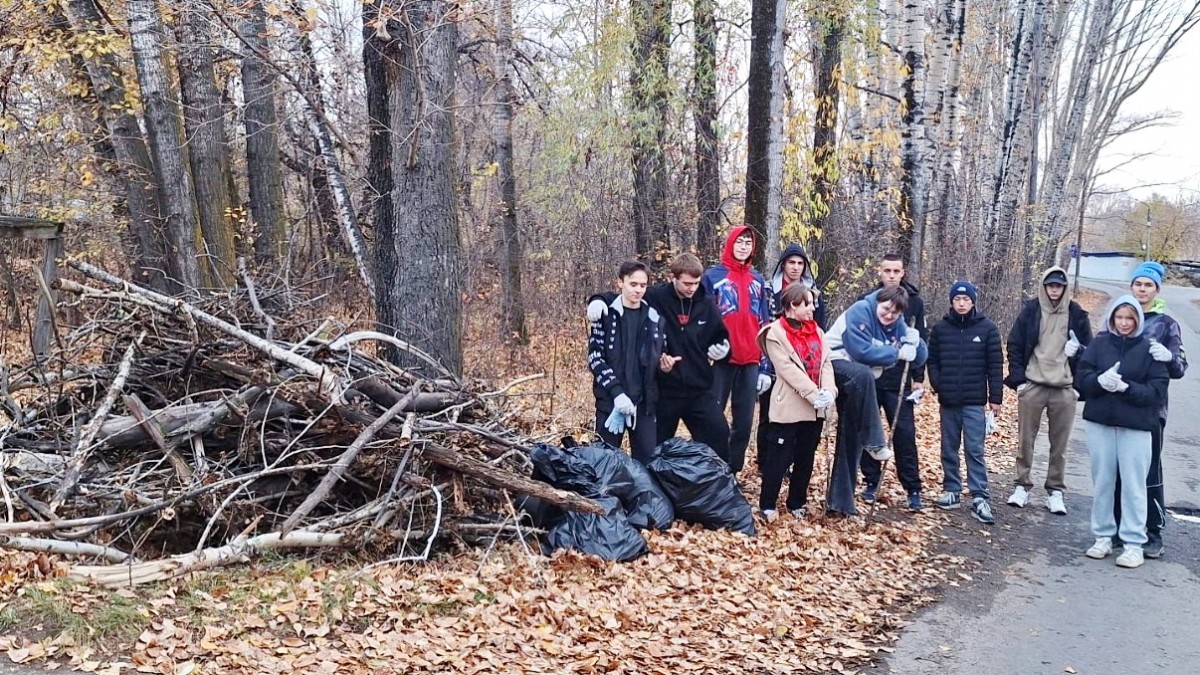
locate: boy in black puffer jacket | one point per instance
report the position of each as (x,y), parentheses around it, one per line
(1124,387)
(966,367)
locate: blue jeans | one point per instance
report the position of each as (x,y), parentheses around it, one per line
(964,425)
(736,385)
(1111,448)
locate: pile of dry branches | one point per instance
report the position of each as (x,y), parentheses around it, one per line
(212,429)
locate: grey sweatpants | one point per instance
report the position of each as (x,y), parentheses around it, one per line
(1111,448)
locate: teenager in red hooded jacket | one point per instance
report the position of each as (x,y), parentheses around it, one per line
(743,299)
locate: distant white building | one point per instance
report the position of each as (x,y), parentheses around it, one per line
(1105,265)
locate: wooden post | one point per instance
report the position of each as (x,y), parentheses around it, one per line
(51,233)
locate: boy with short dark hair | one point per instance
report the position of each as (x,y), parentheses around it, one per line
(625,353)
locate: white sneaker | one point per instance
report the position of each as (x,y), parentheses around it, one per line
(880,454)
(1054,503)
(1131,557)
(770,515)
(1019,498)
(1102,548)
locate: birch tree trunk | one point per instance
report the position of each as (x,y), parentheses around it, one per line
(708,168)
(421,302)
(914,188)
(165,133)
(513,305)
(649,85)
(775,141)
(264,172)
(133,164)
(208,150)
(946,208)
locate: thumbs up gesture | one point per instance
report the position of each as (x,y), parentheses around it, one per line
(1073,346)
(1111,379)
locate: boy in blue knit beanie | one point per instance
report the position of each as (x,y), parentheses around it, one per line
(1166,345)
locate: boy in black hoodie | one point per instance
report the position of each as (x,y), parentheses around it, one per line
(694,334)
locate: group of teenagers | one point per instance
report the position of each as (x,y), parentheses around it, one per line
(685,349)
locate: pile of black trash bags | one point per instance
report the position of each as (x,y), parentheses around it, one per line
(686,480)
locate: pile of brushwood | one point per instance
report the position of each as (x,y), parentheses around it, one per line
(164,435)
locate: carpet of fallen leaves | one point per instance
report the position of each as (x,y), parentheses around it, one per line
(804,596)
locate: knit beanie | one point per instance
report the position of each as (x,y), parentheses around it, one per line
(1152,270)
(964,288)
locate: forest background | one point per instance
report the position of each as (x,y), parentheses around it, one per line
(494,160)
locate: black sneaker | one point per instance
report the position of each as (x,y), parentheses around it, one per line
(1153,548)
(982,510)
(914,502)
(869,493)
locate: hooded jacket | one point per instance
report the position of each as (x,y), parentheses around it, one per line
(966,364)
(794,391)
(777,284)
(914,315)
(1027,333)
(742,299)
(1165,330)
(606,356)
(1136,407)
(858,335)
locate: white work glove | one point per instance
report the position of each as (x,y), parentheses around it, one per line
(719,351)
(1158,352)
(911,337)
(596,310)
(764,383)
(824,399)
(616,422)
(916,396)
(1111,380)
(989,422)
(624,404)
(1073,346)
(907,352)
(1022,387)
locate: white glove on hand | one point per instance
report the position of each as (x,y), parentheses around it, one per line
(1073,346)
(623,404)
(824,399)
(989,423)
(916,396)
(1111,380)
(596,310)
(907,353)
(764,383)
(1158,352)
(719,351)
(1022,387)
(911,337)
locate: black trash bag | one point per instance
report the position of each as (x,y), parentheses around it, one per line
(601,470)
(609,536)
(701,486)
(542,514)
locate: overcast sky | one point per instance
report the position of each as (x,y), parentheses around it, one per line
(1176,160)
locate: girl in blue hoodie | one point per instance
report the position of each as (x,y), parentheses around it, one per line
(1123,386)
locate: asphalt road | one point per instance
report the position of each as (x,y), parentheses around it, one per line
(1038,605)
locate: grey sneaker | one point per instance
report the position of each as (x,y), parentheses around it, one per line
(770,515)
(1131,557)
(982,510)
(1019,498)
(800,513)
(949,500)
(1154,548)
(881,453)
(1055,504)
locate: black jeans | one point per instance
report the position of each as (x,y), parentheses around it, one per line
(855,401)
(1156,504)
(736,385)
(641,437)
(787,446)
(904,444)
(703,418)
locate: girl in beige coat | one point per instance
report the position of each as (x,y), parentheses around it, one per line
(802,398)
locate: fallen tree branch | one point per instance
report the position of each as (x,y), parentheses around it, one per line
(68,548)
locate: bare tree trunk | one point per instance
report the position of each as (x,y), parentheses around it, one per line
(763,22)
(913,188)
(513,304)
(775,141)
(165,133)
(708,167)
(829,29)
(421,300)
(264,171)
(133,163)
(208,150)
(649,86)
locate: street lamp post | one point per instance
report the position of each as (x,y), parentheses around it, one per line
(1147,244)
